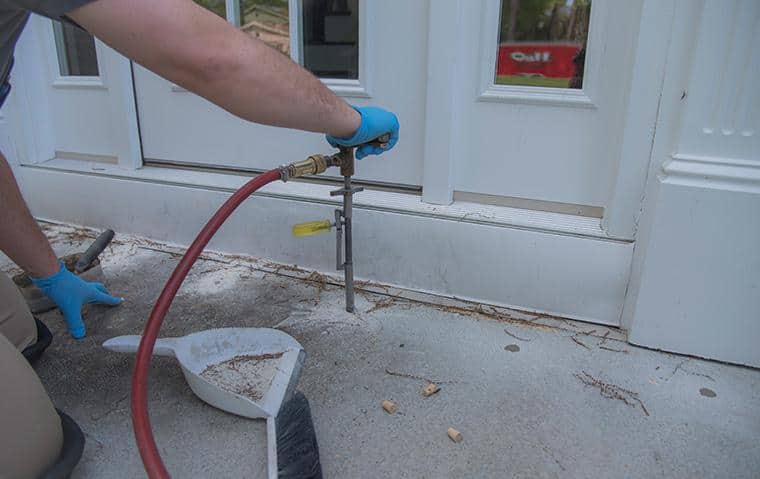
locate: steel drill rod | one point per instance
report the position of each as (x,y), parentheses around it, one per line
(348,265)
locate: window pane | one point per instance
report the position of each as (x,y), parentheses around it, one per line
(216,6)
(76,51)
(268,21)
(543,43)
(331,38)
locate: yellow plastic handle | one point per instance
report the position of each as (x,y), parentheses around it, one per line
(312,228)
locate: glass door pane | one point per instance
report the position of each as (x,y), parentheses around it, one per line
(542,43)
(76,51)
(216,6)
(268,21)
(331,38)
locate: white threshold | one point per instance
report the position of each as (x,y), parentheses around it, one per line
(405,203)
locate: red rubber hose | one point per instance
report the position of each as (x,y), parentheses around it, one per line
(151,458)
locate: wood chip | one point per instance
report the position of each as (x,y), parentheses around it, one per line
(389,407)
(430,389)
(455,435)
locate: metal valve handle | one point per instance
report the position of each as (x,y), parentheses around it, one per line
(381,141)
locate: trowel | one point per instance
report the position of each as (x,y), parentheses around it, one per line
(200,352)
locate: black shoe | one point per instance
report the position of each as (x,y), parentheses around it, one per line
(71,451)
(33,352)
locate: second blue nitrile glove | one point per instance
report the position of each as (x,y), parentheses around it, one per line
(376,122)
(70,293)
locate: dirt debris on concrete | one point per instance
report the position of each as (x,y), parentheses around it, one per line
(69,234)
(319,281)
(614,350)
(513,335)
(415,376)
(247,375)
(479,311)
(368,285)
(367,289)
(382,304)
(680,367)
(612,391)
(577,341)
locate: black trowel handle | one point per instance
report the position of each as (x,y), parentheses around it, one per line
(93,251)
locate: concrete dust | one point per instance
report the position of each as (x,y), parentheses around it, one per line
(210,281)
(328,314)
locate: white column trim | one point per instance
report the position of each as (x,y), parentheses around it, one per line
(441,139)
(626,196)
(713,172)
(681,36)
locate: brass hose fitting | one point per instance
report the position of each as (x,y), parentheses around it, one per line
(313,165)
(316,164)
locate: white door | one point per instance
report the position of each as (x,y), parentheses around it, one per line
(78,94)
(345,42)
(543,102)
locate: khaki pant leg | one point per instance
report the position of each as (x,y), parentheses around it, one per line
(31,437)
(16,322)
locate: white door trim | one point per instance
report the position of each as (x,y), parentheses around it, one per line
(441,129)
(626,197)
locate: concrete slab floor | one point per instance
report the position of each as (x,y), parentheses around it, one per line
(555,399)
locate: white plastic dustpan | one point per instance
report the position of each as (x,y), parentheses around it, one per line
(196,352)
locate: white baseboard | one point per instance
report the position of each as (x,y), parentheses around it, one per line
(567,272)
(699,286)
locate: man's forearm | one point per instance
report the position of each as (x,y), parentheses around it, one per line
(20,237)
(198,50)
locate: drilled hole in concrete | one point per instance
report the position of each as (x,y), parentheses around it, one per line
(512,348)
(707,392)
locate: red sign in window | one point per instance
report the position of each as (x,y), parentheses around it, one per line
(550,60)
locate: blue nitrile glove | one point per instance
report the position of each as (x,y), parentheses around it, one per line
(376,122)
(70,293)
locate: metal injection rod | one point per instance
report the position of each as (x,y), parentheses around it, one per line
(343,226)
(344,216)
(348,263)
(347,170)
